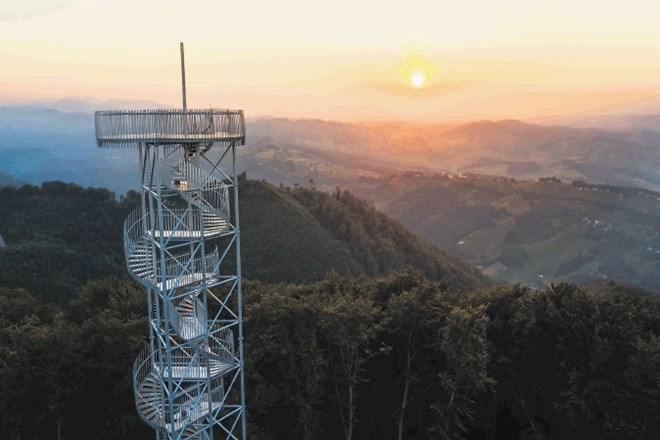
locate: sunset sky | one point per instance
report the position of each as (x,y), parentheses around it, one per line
(414,60)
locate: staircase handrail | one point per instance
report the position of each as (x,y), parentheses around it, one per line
(142,367)
(221,343)
(174,265)
(214,191)
(174,219)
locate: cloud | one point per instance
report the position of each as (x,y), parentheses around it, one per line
(15,10)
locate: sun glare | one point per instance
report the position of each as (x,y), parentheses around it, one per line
(417,79)
(417,71)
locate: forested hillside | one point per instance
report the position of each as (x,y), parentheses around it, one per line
(400,357)
(341,340)
(59,236)
(299,235)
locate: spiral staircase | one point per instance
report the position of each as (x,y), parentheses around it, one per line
(182,245)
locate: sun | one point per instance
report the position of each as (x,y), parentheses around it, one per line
(417,71)
(418,79)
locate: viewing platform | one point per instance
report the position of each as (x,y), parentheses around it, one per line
(130,128)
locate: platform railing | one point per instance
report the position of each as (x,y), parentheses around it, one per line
(129,128)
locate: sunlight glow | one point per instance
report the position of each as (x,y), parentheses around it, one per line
(418,79)
(417,70)
(411,62)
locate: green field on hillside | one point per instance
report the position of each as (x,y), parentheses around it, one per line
(530,231)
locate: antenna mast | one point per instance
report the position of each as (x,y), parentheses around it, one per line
(183,76)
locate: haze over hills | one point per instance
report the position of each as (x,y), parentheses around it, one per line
(39,144)
(42,144)
(8,179)
(628,157)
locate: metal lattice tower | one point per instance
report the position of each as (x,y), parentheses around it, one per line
(183,245)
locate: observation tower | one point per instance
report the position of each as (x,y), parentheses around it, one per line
(183,245)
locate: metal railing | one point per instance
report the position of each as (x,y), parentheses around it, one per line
(129,128)
(186,400)
(221,343)
(177,223)
(197,186)
(142,367)
(185,321)
(180,270)
(148,406)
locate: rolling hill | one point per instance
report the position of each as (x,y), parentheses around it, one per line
(300,234)
(533,232)
(60,235)
(627,156)
(41,144)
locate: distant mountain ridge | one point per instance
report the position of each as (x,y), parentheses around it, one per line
(333,153)
(628,157)
(42,144)
(8,179)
